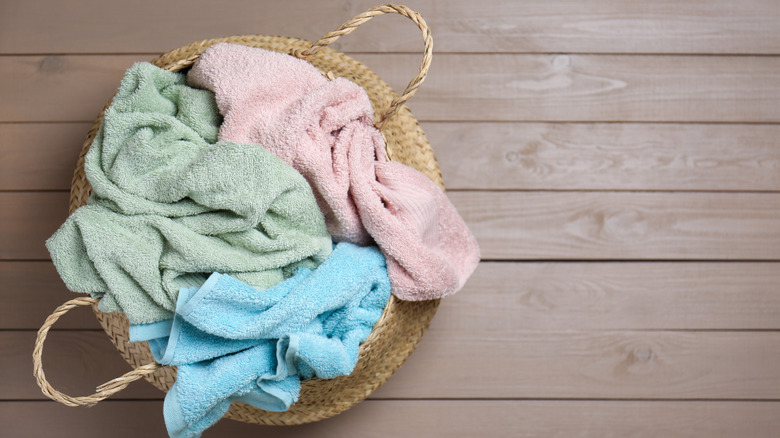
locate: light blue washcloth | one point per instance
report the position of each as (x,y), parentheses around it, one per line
(171,204)
(233,342)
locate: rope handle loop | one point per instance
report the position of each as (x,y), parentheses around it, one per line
(359,19)
(103,391)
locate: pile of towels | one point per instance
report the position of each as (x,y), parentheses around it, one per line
(246,220)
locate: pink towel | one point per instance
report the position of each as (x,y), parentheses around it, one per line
(324,129)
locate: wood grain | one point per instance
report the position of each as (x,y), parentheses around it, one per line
(407,418)
(27,219)
(488,361)
(464,87)
(607,156)
(617,160)
(531,225)
(39,156)
(519,297)
(593,26)
(474,361)
(597,88)
(619,225)
(59,88)
(504,156)
(31,291)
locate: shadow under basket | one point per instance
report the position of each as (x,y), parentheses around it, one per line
(398,331)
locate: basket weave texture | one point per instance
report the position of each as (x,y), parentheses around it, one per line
(402,324)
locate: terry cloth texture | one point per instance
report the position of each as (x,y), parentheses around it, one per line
(171,204)
(324,129)
(233,342)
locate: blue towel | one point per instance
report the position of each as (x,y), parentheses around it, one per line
(233,342)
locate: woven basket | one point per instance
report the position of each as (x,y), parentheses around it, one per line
(402,324)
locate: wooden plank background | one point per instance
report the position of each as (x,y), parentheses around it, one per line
(619,163)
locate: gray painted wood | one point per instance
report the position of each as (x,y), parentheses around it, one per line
(592,135)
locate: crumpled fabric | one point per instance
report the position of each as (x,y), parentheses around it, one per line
(233,342)
(171,204)
(324,129)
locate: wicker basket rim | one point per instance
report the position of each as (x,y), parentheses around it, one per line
(402,324)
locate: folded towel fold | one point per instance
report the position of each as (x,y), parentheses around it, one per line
(233,342)
(171,204)
(324,130)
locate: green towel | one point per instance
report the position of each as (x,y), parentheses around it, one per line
(171,204)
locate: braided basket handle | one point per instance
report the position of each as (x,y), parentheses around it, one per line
(103,391)
(359,19)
